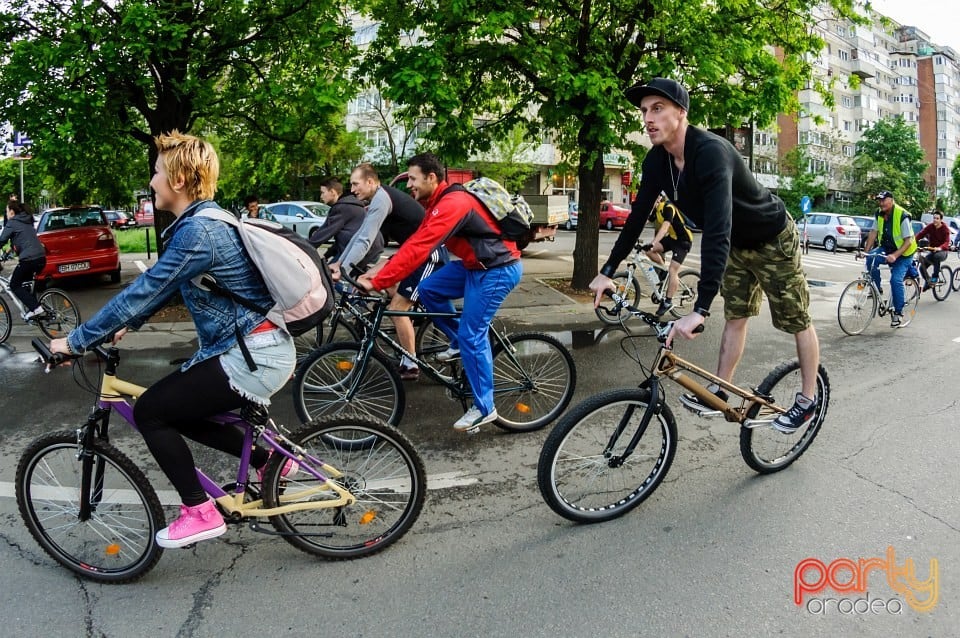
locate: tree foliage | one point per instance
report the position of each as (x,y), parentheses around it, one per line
(84,78)
(483,67)
(889,157)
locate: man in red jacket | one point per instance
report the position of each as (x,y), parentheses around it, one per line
(489,268)
(938,234)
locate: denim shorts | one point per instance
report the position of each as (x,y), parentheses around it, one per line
(276,358)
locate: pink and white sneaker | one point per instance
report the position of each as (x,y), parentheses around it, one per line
(197,523)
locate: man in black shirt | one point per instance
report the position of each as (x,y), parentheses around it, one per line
(750,244)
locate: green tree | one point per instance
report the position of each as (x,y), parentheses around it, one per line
(799,178)
(78,76)
(951,203)
(508,161)
(889,157)
(481,67)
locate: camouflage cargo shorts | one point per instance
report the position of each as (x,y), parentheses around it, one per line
(773,269)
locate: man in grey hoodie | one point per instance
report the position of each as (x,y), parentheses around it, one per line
(20,232)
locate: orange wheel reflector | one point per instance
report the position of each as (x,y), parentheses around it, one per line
(522,407)
(368,517)
(860,286)
(346,366)
(112,549)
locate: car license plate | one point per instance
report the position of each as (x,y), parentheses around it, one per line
(81,265)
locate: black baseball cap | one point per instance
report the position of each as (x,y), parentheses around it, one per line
(670,89)
(884,195)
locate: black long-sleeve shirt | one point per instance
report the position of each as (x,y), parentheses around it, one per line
(717,192)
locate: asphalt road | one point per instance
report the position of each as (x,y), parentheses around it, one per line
(711,553)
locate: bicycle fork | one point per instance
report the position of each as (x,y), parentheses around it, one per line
(653,407)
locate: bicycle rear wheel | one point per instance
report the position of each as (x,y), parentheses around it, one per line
(857,307)
(955,284)
(115,544)
(6,321)
(911,296)
(581,472)
(533,381)
(62,313)
(387,477)
(767,450)
(686,296)
(323,379)
(941,289)
(627,285)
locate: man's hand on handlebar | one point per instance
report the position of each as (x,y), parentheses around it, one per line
(685,327)
(599,285)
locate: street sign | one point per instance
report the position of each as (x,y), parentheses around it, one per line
(21,139)
(805,204)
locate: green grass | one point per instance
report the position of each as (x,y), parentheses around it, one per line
(134,240)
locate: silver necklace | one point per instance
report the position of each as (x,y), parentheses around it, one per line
(675,182)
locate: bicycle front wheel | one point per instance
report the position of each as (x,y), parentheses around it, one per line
(387,478)
(941,289)
(857,307)
(955,284)
(6,321)
(583,473)
(686,296)
(911,296)
(767,450)
(114,542)
(533,381)
(324,379)
(62,313)
(627,286)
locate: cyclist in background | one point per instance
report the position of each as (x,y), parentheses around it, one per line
(671,233)
(895,247)
(19,231)
(938,234)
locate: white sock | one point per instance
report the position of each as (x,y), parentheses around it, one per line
(803,401)
(407,362)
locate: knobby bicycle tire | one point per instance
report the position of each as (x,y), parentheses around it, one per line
(857,306)
(62,313)
(533,383)
(6,321)
(767,450)
(579,471)
(322,380)
(941,289)
(116,543)
(629,289)
(387,476)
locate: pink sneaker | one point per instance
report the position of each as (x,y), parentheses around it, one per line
(290,468)
(198,523)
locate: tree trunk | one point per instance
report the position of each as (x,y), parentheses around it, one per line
(585,252)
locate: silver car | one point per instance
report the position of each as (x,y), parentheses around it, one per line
(302,218)
(830,230)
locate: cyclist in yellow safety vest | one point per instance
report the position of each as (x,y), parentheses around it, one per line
(671,233)
(895,247)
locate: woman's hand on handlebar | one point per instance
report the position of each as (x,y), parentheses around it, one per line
(59,346)
(599,285)
(685,327)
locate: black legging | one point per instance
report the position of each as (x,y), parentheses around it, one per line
(178,405)
(20,281)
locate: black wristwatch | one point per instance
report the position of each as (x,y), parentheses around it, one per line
(703,312)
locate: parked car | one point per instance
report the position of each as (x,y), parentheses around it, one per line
(866,224)
(144,214)
(79,241)
(301,217)
(830,230)
(574,212)
(613,216)
(119,219)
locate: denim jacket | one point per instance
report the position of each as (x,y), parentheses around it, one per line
(194,246)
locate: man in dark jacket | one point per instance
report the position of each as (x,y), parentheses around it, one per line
(750,243)
(20,232)
(343,221)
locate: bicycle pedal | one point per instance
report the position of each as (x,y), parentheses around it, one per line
(703,414)
(474,430)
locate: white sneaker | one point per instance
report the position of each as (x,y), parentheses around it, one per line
(449,354)
(36,312)
(473,419)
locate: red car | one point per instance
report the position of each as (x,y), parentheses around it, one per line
(79,241)
(613,216)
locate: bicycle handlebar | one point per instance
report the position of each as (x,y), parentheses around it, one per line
(51,359)
(662,327)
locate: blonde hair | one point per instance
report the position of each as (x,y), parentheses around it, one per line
(191,159)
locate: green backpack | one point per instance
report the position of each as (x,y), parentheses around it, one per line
(512,212)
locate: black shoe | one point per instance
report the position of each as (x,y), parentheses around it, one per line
(895,319)
(692,401)
(665,305)
(792,419)
(409,373)
(926,287)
